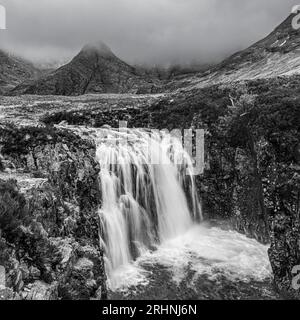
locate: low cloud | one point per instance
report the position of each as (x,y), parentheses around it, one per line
(140,31)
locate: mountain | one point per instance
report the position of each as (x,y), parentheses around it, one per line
(51,65)
(14,70)
(278,54)
(94,70)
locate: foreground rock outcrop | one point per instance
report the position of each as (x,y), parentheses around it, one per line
(49,232)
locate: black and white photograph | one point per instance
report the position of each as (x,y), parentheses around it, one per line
(149,151)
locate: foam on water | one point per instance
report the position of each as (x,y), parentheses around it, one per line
(204,250)
(150,213)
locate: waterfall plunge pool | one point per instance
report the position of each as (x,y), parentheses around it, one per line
(206,262)
(154,245)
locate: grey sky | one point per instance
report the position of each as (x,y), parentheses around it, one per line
(140,31)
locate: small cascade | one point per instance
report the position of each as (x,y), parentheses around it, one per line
(148,192)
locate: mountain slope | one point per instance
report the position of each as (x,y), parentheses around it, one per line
(14,71)
(94,70)
(276,55)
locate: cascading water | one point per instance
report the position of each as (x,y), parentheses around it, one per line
(149,201)
(146,180)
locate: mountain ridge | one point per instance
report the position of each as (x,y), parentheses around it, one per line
(95,69)
(14,70)
(277,54)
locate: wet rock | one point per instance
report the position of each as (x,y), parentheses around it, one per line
(40,291)
(7,294)
(80,282)
(284,253)
(248,198)
(85,275)
(34,273)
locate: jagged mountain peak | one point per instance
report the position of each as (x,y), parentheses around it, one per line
(95,69)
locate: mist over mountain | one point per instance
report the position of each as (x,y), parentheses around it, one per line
(95,69)
(168,32)
(14,70)
(278,54)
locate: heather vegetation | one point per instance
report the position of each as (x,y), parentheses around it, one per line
(13,210)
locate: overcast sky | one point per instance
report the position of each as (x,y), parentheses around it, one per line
(140,31)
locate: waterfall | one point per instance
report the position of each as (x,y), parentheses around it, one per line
(148,192)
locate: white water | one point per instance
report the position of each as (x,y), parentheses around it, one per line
(143,193)
(145,207)
(204,250)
